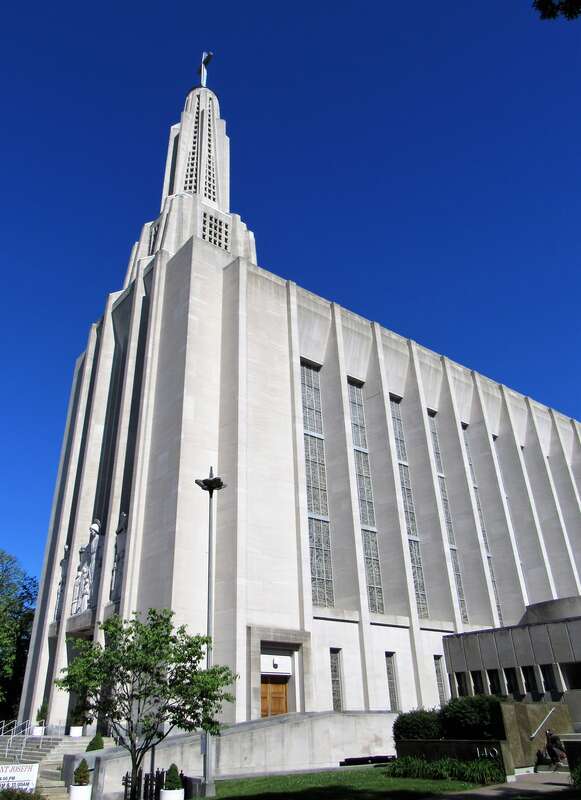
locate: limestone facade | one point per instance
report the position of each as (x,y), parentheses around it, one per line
(379,496)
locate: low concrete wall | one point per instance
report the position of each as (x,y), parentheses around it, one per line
(463,749)
(287,743)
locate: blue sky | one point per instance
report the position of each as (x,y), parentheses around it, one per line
(418,163)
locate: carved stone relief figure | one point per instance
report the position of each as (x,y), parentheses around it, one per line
(85,594)
(64,565)
(119,560)
(87,577)
(93,554)
(75,605)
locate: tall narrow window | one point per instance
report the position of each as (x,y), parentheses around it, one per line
(448,518)
(440,680)
(336,684)
(482,525)
(392,681)
(366,506)
(409,510)
(316,475)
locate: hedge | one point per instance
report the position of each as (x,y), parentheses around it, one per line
(96,743)
(478,717)
(419,724)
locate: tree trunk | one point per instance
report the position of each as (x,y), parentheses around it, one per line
(135,793)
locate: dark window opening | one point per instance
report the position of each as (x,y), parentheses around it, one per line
(511,681)
(548,673)
(462,684)
(494,681)
(572,675)
(531,684)
(477,682)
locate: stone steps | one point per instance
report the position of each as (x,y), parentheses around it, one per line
(48,753)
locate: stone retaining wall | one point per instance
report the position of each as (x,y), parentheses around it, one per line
(287,743)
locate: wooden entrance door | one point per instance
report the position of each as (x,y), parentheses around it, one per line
(273,696)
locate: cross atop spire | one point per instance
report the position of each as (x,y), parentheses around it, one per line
(202,71)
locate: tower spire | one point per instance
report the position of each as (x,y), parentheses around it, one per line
(203,69)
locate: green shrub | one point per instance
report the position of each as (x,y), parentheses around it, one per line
(18,794)
(482,771)
(78,716)
(172,778)
(81,774)
(42,712)
(96,743)
(576,776)
(477,717)
(419,724)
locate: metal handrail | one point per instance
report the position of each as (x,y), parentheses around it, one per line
(7,726)
(532,736)
(18,729)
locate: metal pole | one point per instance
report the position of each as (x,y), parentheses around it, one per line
(209,785)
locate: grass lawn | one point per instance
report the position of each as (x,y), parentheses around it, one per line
(366,783)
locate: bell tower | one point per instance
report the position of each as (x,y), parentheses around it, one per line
(195,198)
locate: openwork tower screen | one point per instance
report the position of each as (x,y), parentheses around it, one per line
(317,501)
(191,176)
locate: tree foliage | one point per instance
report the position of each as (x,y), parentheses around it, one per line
(81,774)
(17,598)
(551,9)
(172,779)
(146,681)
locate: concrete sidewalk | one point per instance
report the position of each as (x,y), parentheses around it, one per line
(534,786)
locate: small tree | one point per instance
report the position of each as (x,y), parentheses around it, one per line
(146,681)
(81,774)
(172,779)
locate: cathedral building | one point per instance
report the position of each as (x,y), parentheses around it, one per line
(379,496)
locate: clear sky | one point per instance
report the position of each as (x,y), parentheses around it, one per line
(418,163)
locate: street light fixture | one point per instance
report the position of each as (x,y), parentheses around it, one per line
(210,484)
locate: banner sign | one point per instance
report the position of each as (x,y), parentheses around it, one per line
(18,776)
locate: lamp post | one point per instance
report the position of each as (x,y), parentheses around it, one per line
(210,484)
